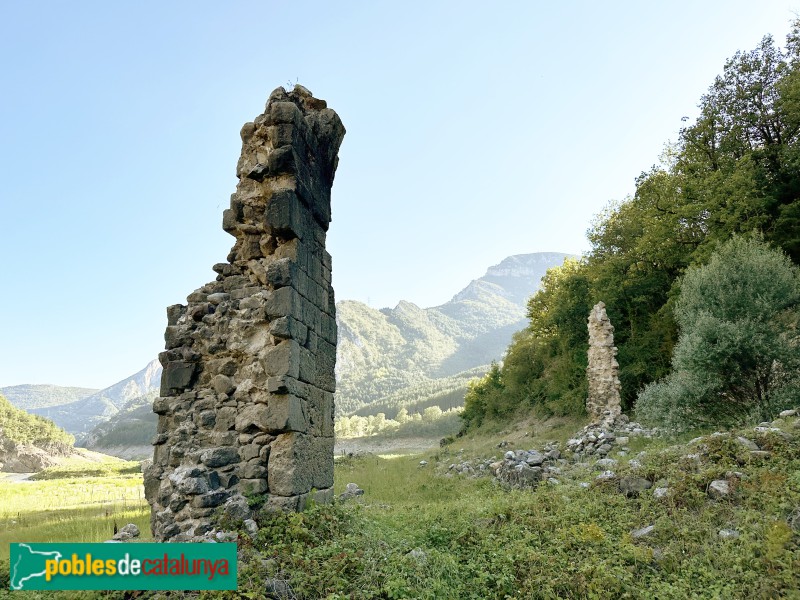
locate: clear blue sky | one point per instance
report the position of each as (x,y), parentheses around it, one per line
(476,130)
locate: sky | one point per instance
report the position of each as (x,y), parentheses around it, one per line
(475,131)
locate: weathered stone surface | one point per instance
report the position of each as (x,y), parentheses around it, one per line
(251,356)
(219,457)
(603,401)
(719,488)
(296,465)
(643,532)
(351,490)
(633,486)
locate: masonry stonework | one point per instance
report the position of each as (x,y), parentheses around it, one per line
(603,401)
(246,403)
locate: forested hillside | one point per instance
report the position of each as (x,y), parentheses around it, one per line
(20,427)
(29,442)
(420,352)
(734,171)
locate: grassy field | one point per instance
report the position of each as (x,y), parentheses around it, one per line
(76,502)
(416,533)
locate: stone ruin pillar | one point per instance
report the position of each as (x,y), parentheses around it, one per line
(246,406)
(603,403)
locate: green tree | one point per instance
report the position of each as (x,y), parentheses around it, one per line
(738,353)
(482,397)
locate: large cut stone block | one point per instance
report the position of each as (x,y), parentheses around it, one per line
(299,462)
(283,359)
(177,375)
(284,215)
(281,272)
(286,413)
(283,112)
(284,302)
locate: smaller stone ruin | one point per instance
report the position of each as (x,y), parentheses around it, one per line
(603,402)
(246,406)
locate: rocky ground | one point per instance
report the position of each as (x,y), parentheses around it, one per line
(600,454)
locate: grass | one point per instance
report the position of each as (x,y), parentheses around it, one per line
(80,470)
(419,534)
(73,508)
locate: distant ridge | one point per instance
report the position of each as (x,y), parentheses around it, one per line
(32,396)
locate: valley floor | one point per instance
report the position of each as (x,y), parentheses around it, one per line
(384,445)
(421,532)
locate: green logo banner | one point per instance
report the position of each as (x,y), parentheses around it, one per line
(123,566)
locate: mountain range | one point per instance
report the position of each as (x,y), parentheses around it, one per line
(80,413)
(384,352)
(386,358)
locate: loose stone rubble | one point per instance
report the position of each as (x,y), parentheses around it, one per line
(598,439)
(603,402)
(246,406)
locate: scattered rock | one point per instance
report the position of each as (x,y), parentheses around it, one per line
(638,534)
(794,520)
(279,589)
(126,533)
(661,492)
(728,534)
(535,459)
(351,490)
(600,438)
(787,413)
(251,527)
(423,463)
(719,488)
(749,444)
(631,485)
(418,554)
(606,476)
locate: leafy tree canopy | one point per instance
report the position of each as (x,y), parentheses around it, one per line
(733,171)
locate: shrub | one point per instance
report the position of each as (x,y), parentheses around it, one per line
(737,356)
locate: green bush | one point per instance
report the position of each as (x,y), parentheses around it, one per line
(737,356)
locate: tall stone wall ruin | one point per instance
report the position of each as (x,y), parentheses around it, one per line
(246,404)
(603,401)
